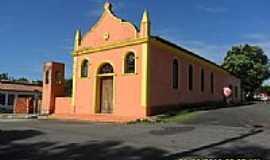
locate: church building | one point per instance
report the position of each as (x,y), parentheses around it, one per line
(124,73)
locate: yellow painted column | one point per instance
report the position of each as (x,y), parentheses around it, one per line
(145,75)
(74,77)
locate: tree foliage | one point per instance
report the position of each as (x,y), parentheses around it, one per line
(250,64)
(22,80)
(265,89)
(4,76)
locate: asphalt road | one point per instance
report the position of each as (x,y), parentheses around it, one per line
(254,115)
(210,135)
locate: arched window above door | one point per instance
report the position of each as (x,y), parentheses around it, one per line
(105,69)
(130,63)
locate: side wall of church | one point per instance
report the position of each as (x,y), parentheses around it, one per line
(162,93)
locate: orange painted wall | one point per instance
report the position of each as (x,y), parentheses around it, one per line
(108,33)
(162,93)
(63,105)
(127,87)
(118,31)
(52,89)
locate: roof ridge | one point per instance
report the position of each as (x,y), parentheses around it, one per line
(172,44)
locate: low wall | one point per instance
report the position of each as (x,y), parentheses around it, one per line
(22,105)
(63,105)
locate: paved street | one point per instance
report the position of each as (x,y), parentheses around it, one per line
(242,116)
(222,133)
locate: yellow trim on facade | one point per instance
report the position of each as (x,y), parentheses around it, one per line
(74,82)
(145,89)
(96,93)
(106,75)
(110,46)
(77,40)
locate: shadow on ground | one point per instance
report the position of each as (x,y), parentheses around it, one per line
(112,150)
(215,151)
(7,137)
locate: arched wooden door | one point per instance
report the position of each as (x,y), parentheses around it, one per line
(106,94)
(105,89)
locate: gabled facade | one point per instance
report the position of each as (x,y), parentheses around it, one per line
(122,71)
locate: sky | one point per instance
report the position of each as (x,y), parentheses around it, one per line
(33,32)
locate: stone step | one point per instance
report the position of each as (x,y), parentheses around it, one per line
(93,118)
(18,116)
(43,117)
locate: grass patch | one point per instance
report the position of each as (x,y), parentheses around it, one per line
(142,121)
(169,117)
(186,112)
(180,116)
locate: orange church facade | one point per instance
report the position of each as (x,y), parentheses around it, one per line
(122,73)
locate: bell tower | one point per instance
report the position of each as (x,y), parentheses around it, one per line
(53,85)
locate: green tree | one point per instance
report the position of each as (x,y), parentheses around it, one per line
(265,89)
(22,80)
(4,76)
(37,82)
(250,64)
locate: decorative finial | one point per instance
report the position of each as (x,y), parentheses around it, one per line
(78,38)
(145,16)
(145,25)
(107,6)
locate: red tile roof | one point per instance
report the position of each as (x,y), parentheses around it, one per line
(19,87)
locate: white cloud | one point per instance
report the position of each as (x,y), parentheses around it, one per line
(212,9)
